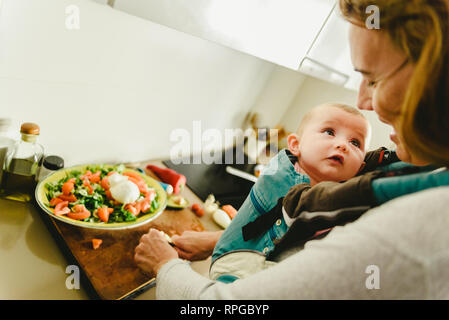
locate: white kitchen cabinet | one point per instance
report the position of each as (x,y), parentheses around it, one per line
(308,36)
(279,31)
(329,57)
(101,1)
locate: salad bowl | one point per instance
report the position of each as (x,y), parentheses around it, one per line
(93,198)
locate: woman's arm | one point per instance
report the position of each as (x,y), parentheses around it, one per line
(331,268)
(384,255)
(154,251)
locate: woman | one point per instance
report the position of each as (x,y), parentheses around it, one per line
(399,249)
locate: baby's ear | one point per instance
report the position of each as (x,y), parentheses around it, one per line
(293,144)
(361,167)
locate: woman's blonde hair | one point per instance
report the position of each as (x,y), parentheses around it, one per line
(419,29)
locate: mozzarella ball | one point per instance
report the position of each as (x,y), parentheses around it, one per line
(116,178)
(125,192)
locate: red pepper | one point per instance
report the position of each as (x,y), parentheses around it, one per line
(230,210)
(167,175)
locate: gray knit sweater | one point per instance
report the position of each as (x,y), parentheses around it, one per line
(399,250)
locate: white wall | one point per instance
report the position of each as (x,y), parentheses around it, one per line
(113,90)
(278,94)
(313,92)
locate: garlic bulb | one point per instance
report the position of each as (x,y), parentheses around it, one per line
(221,218)
(209,205)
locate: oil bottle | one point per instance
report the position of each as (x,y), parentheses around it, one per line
(6,143)
(22,164)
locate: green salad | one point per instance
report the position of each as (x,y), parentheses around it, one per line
(88,196)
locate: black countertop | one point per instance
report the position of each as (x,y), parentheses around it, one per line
(204,179)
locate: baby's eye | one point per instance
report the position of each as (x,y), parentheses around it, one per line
(330,132)
(371,84)
(356,143)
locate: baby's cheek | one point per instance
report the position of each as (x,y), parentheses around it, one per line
(356,165)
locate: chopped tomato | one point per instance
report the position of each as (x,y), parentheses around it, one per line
(67,187)
(86,175)
(138,180)
(145,205)
(134,175)
(55,201)
(79,208)
(103,213)
(143,188)
(95,178)
(111,173)
(134,180)
(105,183)
(87,184)
(79,212)
(150,195)
(69,198)
(108,194)
(134,208)
(138,206)
(96,243)
(62,208)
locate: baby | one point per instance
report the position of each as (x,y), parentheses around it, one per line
(329,145)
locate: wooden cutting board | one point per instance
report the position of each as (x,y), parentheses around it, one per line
(110,272)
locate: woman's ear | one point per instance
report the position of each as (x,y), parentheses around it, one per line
(293,144)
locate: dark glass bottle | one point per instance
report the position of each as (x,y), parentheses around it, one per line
(6,143)
(51,164)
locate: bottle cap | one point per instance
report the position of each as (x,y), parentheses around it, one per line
(30,128)
(53,163)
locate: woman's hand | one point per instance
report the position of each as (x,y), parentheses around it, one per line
(153,252)
(194,245)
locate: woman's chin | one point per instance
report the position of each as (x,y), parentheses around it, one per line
(402,154)
(405,156)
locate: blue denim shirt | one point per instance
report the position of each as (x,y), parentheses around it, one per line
(274,183)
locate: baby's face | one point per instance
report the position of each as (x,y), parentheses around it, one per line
(332,146)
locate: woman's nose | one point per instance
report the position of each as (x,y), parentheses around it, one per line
(364,100)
